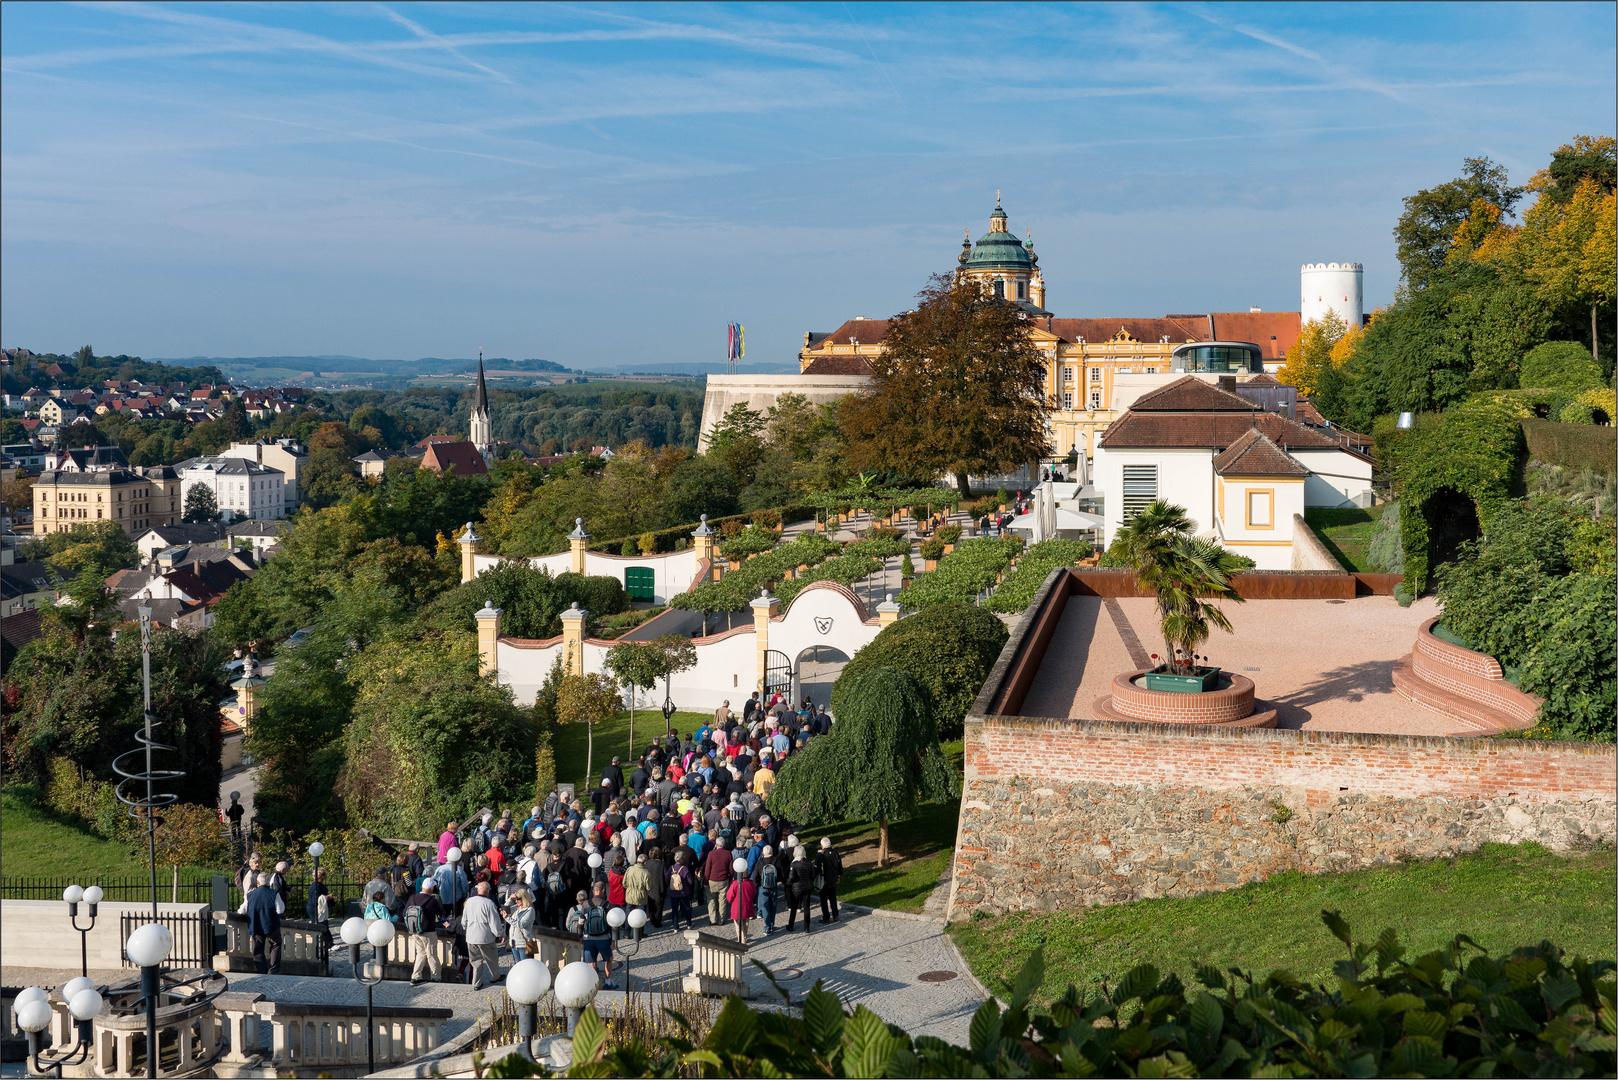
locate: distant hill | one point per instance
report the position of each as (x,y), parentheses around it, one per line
(330,366)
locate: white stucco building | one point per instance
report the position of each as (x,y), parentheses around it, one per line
(242,488)
(1241,473)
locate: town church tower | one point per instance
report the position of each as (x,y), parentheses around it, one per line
(482,433)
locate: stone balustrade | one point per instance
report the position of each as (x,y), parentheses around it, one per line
(305,1037)
(188,1028)
(716,966)
(303,946)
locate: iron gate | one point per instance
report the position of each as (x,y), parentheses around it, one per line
(777,674)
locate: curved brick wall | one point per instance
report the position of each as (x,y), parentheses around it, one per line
(1465,685)
(1167,707)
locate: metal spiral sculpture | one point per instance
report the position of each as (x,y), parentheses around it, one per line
(148,804)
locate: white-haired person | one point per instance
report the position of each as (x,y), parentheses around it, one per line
(800,889)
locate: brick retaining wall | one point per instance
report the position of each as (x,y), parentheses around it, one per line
(1068,813)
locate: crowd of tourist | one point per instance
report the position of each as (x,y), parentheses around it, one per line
(683,835)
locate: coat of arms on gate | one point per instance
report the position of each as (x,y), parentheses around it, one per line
(823,625)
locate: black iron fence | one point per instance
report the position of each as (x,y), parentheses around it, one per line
(193,936)
(191,890)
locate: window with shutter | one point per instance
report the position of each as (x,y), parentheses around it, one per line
(1140,488)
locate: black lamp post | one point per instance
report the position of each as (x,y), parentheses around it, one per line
(34,1016)
(355,933)
(74,896)
(147,948)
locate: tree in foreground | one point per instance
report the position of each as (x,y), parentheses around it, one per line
(588,700)
(1456,1011)
(881,759)
(958,388)
(1186,573)
(949,648)
(200,504)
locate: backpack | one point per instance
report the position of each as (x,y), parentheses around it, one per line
(554,884)
(412,919)
(595,923)
(767,876)
(676,883)
(820,879)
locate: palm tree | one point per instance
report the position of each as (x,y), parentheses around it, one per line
(1185,572)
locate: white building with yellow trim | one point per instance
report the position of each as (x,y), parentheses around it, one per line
(1244,475)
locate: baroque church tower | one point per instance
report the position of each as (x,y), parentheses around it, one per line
(482,434)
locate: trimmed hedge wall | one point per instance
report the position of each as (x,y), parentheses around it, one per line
(1577,446)
(667,539)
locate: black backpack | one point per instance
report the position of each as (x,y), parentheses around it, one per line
(767,876)
(413,919)
(595,923)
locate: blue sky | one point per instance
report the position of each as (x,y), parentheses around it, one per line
(603,185)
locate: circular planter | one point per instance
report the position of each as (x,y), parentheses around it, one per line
(1232,704)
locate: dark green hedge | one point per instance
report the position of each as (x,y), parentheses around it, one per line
(1577,446)
(948,648)
(668,539)
(1454,1012)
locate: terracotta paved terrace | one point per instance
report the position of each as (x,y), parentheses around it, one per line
(1321,664)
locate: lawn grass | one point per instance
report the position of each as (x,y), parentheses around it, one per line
(1346,532)
(36,843)
(1502,897)
(612,737)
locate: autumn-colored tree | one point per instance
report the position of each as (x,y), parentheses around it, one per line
(958,389)
(588,700)
(1312,353)
(187,835)
(1426,230)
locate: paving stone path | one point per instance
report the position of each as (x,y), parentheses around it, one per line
(866,959)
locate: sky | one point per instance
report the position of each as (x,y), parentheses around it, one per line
(608,185)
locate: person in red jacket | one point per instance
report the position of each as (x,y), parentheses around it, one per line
(741,898)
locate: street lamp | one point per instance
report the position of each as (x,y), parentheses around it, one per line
(356,933)
(34,1016)
(576,986)
(74,896)
(316,850)
(526,983)
(636,919)
(147,948)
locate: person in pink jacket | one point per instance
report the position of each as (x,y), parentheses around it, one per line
(742,896)
(446,840)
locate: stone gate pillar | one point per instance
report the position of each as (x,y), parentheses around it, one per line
(703,542)
(576,541)
(469,548)
(573,640)
(488,618)
(765,608)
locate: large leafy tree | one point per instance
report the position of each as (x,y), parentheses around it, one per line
(880,761)
(642,663)
(430,737)
(200,504)
(959,388)
(948,648)
(1432,217)
(75,693)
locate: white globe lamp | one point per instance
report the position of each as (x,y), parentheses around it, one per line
(739,866)
(34,1017)
(527,982)
(149,945)
(32,993)
(637,919)
(454,855)
(317,849)
(73,986)
(92,895)
(616,917)
(353,931)
(594,860)
(576,986)
(73,894)
(379,933)
(84,1005)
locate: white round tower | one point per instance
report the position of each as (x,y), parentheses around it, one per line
(1339,287)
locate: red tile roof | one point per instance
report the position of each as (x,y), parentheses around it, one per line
(1178,330)
(463,457)
(866,331)
(846,364)
(1215,431)
(1191,394)
(1275,331)
(1255,455)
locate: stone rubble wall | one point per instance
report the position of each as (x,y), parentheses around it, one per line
(1070,813)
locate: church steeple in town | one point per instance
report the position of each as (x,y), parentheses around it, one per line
(482,431)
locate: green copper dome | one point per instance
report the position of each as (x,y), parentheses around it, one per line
(998,249)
